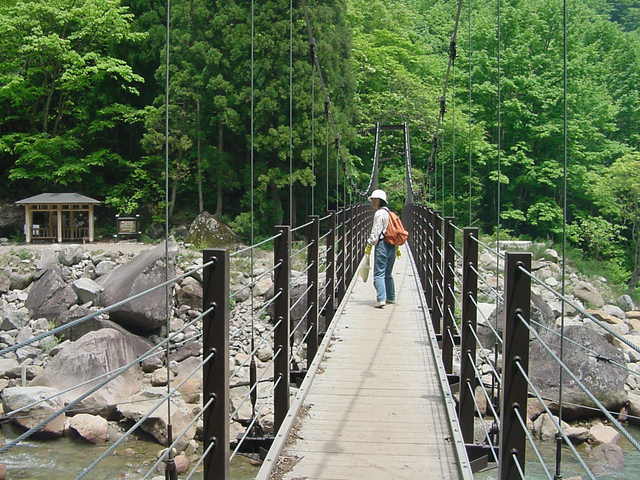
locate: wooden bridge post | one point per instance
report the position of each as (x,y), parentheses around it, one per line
(340,257)
(468,345)
(515,349)
(437,278)
(448,302)
(312,283)
(331,269)
(429,226)
(281,253)
(215,373)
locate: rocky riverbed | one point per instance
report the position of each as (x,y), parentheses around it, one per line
(46,287)
(42,288)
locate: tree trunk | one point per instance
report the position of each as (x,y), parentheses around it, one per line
(220,152)
(199,159)
(45,115)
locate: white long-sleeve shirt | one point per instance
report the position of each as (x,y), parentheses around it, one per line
(380,224)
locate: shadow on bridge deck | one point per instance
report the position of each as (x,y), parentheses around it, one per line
(375,408)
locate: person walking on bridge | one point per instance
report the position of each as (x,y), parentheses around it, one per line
(385,252)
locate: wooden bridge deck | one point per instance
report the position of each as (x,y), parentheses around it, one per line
(376,408)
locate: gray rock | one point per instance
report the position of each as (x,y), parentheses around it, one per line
(92,355)
(70,255)
(20,281)
(11,218)
(207,231)
(540,312)
(9,368)
(604,434)
(50,297)
(19,397)
(625,302)
(614,310)
(146,270)
(588,293)
(90,428)
(552,254)
(5,281)
(9,320)
(104,267)
(87,290)
(607,458)
(603,379)
(156,424)
(190,293)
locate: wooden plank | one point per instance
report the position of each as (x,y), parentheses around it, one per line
(375,408)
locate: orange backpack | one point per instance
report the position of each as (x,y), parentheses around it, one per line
(395,234)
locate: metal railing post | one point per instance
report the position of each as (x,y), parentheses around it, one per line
(517,295)
(215,373)
(468,345)
(331,269)
(436,269)
(429,229)
(312,284)
(448,285)
(281,253)
(340,259)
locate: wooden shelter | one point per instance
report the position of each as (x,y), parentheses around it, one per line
(59,217)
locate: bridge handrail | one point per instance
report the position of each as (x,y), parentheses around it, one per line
(428,233)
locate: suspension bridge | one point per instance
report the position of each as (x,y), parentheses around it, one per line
(385,394)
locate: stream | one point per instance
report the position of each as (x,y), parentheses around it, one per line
(63,459)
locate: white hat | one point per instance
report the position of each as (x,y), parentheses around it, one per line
(379,194)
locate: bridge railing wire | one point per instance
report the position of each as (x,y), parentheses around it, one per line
(500,379)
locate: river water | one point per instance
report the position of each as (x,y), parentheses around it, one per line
(62,459)
(570,466)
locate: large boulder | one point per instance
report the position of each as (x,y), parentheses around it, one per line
(190,293)
(606,458)
(5,281)
(70,255)
(147,313)
(207,231)
(19,397)
(11,219)
(87,290)
(156,423)
(602,378)
(92,355)
(50,297)
(541,313)
(90,428)
(589,294)
(625,302)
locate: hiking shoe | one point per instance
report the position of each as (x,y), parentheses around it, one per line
(381,304)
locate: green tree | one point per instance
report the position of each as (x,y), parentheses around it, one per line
(62,82)
(616,190)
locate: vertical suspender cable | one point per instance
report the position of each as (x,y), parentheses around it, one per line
(565,153)
(313,132)
(170,469)
(499,147)
(470,114)
(453,137)
(338,170)
(291,112)
(252,362)
(326,121)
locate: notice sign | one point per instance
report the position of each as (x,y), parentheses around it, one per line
(127,226)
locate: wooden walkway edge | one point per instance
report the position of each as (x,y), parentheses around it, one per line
(375,403)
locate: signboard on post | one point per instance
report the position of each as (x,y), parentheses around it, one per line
(127,227)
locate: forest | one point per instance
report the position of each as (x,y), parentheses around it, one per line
(82,91)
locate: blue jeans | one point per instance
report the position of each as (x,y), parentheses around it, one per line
(385,257)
